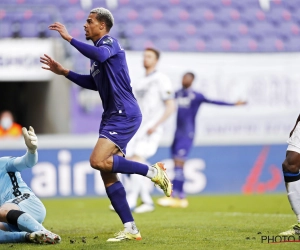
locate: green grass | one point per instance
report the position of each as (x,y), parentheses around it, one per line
(210,222)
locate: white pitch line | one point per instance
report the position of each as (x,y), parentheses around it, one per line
(252,214)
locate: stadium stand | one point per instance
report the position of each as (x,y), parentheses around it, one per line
(171,25)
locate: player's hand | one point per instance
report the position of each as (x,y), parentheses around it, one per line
(62,30)
(31,139)
(239,103)
(151,130)
(53,65)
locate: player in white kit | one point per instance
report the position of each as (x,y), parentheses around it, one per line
(155,96)
(291,174)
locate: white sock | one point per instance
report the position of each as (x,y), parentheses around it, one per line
(136,183)
(145,192)
(130,227)
(151,172)
(293,190)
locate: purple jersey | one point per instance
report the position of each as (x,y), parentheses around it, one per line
(109,76)
(189,102)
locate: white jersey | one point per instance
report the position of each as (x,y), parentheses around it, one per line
(294,140)
(151,91)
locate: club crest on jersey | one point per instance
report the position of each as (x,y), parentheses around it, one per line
(108,41)
(184,102)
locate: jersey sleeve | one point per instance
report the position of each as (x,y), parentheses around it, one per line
(17,164)
(101,53)
(204,99)
(112,46)
(166,88)
(84,81)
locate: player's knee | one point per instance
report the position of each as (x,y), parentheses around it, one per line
(104,165)
(3,213)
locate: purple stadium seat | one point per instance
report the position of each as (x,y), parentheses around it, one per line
(293,44)
(192,4)
(3,14)
(279,15)
(219,45)
(75,29)
(291,4)
(262,29)
(271,44)
(185,30)
(168,44)
(245,44)
(288,29)
(151,14)
(140,5)
(159,30)
(253,15)
(141,43)
(202,15)
(192,44)
(74,14)
(5,29)
(114,32)
(296,15)
(123,15)
(244,4)
(210,30)
(29,29)
(99,3)
(134,29)
(68,3)
(228,15)
(237,30)
(175,15)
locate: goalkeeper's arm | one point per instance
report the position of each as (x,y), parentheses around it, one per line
(31,157)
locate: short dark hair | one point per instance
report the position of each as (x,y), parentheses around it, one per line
(155,51)
(104,15)
(191,74)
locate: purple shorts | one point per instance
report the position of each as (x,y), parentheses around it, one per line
(120,130)
(181,147)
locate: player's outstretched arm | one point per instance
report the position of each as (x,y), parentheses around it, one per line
(61,30)
(240,103)
(31,157)
(204,99)
(53,65)
(99,54)
(85,81)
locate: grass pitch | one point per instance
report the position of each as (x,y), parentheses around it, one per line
(210,222)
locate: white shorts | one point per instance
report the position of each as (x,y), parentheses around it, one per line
(142,144)
(294,140)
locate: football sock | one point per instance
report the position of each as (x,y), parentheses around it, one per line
(124,166)
(151,172)
(130,227)
(12,237)
(145,192)
(178,183)
(24,221)
(135,182)
(117,195)
(292,182)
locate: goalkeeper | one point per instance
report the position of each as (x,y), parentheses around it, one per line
(21,212)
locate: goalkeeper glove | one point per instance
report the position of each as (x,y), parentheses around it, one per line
(31,139)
